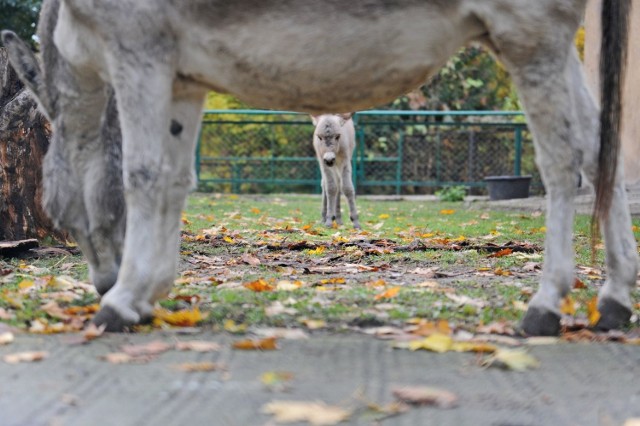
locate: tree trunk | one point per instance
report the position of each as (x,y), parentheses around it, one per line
(24,138)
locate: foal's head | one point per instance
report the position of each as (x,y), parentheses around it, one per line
(327,138)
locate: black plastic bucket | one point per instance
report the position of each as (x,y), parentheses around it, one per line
(508,187)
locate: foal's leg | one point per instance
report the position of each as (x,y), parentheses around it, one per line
(324,199)
(338,198)
(544,87)
(350,193)
(158,152)
(332,192)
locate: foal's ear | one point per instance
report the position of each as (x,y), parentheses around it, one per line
(26,65)
(314,119)
(345,117)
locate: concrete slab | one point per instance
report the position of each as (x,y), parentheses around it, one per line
(576,384)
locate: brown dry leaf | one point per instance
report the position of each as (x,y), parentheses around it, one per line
(502,253)
(316,413)
(268,344)
(197,346)
(6,337)
(578,284)
(281,333)
(427,272)
(568,306)
(513,359)
(497,327)
(427,328)
(532,266)
(123,358)
(194,367)
(93,331)
(152,348)
(250,259)
(388,294)
(501,272)
(466,300)
(259,286)
(423,395)
(592,311)
(29,356)
(54,310)
(182,318)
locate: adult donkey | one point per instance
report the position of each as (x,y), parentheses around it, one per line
(162,56)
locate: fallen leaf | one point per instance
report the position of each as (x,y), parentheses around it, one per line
(6,337)
(276,381)
(383,216)
(29,356)
(532,266)
(497,327)
(123,358)
(427,272)
(268,344)
(478,347)
(447,211)
(513,359)
(93,331)
(436,343)
(231,326)
(423,395)
(281,333)
(501,253)
(388,294)
(250,259)
(152,348)
(592,311)
(181,318)
(194,367)
(578,284)
(427,328)
(316,413)
(313,324)
(259,286)
(568,306)
(285,285)
(197,346)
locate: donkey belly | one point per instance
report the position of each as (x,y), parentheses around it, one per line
(329,64)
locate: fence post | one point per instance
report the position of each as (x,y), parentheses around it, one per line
(399,162)
(517,167)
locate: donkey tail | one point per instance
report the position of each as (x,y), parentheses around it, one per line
(613,59)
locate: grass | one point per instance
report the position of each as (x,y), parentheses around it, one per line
(341,278)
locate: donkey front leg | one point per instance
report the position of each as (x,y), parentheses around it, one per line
(331,192)
(158,148)
(350,193)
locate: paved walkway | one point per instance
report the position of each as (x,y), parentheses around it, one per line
(576,384)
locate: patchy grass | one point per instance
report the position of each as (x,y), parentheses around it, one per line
(412,260)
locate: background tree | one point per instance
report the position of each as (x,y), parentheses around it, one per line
(21,17)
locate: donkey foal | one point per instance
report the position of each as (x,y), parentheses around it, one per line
(334,140)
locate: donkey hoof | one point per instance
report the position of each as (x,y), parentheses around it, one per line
(538,322)
(112,319)
(613,315)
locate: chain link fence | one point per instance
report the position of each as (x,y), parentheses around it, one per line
(397,152)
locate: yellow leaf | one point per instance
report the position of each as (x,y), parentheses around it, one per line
(376,283)
(285,285)
(276,380)
(229,239)
(312,324)
(25,284)
(513,359)
(255,210)
(337,280)
(447,211)
(383,216)
(436,343)
(231,326)
(182,318)
(474,347)
(392,292)
(568,306)
(317,250)
(592,311)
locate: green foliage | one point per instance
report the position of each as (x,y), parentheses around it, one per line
(452,193)
(20,16)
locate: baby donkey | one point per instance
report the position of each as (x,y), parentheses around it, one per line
(334,140)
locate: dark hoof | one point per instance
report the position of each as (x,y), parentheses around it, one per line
(537,322)
(109,316)
(613,316)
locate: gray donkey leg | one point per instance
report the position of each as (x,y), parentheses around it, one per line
(350,193)
(159,131)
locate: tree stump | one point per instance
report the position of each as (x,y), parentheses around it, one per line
(24,138)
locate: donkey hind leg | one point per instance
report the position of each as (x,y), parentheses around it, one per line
(350,193)
(324,198)
(74,174)
(338,207)
(614,302)
(158,153)
(545,91)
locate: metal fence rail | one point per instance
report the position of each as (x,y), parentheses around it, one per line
(397,152)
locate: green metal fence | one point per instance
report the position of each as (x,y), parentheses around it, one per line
(397,152)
